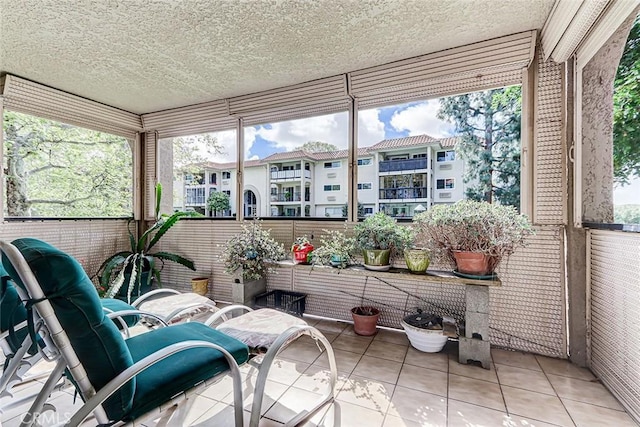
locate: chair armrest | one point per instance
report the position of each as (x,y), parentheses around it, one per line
(153,293)
(222,313)
(112,386)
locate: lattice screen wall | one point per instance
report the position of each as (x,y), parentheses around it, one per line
(89,241)
(527,312)
(549,171)
(614,258)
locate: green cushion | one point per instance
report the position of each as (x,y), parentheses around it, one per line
(95,339)
(112,304)
(183,370)
(12,312)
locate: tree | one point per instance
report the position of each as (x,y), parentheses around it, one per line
(345,210)
(56,170)
(317,147)
(626,214)
(218,201)
(190,153)
(626,110)
(489,125)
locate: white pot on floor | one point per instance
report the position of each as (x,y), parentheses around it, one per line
(427,340)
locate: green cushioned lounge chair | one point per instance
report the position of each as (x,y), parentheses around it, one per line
(120,381)
(17,346)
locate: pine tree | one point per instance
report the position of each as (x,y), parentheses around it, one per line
(489,124)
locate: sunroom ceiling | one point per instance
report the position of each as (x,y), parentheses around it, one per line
(145,56)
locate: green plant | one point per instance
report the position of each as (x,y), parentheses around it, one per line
(495,230)
(249,252)
(139,258)
(335,249)
(380,231)
(300,242)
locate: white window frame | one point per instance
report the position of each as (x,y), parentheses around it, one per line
(445,156)
(333,187)
(361,186)
(369,160)
(332,165)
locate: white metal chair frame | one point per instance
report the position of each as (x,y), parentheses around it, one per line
(263,363)
(57,339)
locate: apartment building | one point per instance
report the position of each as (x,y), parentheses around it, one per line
(394,176)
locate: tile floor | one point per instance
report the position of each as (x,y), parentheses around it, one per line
(385,382)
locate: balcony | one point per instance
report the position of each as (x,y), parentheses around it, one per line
(294,174)
(403,193)
(289,197)
(403,165)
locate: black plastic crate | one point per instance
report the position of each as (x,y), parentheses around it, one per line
(290,302)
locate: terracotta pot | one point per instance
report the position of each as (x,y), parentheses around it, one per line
(365,320)
(473,263)
(200,285)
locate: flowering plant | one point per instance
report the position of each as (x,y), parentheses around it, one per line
(249,252)
(336,249)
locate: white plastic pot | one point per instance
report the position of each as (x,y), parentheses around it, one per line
(427,340)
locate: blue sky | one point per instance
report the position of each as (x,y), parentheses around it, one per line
(374,125)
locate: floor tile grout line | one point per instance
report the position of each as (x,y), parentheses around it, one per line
(556,392)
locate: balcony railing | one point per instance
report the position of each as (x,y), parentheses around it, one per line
(288,197)
(403,165)
(290,174)
(403,193)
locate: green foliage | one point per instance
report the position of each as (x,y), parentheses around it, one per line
(317,147)
(57,170)
(335,249)
(469,225)
(218,202)
(380,231)
(249,252)
(139,257)
(345,210)
(189,153)
(626,110)
(489,124)
(626,214)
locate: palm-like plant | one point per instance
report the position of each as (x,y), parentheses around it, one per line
(131,264)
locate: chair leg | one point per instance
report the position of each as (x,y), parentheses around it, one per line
(38,405)
(279,344)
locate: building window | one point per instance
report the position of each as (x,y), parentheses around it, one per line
(419,156)
(332,188)
(330,165)
(333,212)
(442,184)
(226,175)
(364,186)
(364,162)
(227,192)
(368,211)
(446,156)
(195,196)
(213,178)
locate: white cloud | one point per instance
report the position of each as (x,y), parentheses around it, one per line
(370,128)
(331,128)
(227,139)
(628,194)
(421,119)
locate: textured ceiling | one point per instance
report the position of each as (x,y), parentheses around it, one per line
(150,55)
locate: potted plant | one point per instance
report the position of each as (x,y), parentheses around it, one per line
(137,267)
(246,256)
(302,250)
(381,239)
(336,249)
(475,236)
(417,259)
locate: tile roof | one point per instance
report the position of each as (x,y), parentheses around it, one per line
(403,142)
(409,141)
